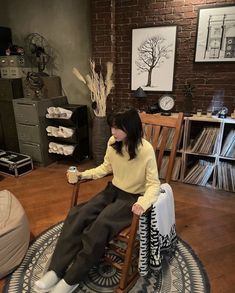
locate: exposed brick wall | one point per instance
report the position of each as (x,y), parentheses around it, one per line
(112,24)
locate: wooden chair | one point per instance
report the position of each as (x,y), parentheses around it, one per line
(156,129)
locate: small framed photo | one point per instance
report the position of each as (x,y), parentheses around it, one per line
(215,40)
(153,58)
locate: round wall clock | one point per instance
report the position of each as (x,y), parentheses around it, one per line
(166,103)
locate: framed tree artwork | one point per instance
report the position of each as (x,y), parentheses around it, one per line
(153,58)
(215,40)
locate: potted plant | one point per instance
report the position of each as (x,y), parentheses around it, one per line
(99,88)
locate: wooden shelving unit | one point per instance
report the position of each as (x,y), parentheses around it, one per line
(207,152)
(203,162)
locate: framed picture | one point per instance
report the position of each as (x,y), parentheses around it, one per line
(153,58)
(215,40)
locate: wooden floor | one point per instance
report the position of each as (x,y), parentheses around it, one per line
(205,218)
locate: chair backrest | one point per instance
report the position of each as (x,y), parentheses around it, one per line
(164,133)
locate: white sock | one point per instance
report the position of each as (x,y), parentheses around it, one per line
(47,281)
(63,287)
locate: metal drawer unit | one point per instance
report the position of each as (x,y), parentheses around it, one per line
(31,126)
(29,132)
(27,112)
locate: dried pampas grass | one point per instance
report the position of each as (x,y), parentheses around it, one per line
(99,87)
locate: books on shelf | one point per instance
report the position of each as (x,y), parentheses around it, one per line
(200,173)
(225,176)
(228,149)
(170,138)
(216,148)
(176,169)
(206,142)
(207,153)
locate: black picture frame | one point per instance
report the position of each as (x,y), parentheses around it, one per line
(146,72)
(215,38)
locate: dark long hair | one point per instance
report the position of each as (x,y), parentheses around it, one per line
(128,121)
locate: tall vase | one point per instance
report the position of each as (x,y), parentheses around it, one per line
(100,136)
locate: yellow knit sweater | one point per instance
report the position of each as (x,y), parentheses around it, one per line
(138,176)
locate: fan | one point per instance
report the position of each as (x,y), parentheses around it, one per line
(38,50)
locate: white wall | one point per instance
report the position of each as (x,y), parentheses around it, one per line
(66,26)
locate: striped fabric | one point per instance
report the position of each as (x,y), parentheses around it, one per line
(157,232)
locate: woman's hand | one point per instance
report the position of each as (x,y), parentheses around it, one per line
(72,177)
(137,209)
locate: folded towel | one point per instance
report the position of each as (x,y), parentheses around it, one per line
(65,132)
(68,150)
(52,131)
(51,110)
(60,131)
(61,148)
(58,112)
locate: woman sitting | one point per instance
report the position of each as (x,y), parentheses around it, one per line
(89,227)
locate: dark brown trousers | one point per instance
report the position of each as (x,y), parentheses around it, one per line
(87,230)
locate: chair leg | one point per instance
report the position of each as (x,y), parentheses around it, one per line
(125,284)
(75,193)
(129,286)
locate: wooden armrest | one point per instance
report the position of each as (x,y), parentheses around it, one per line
(147,211)
(77,186)
(75,193)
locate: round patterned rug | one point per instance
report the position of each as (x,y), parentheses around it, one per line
(181,273)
